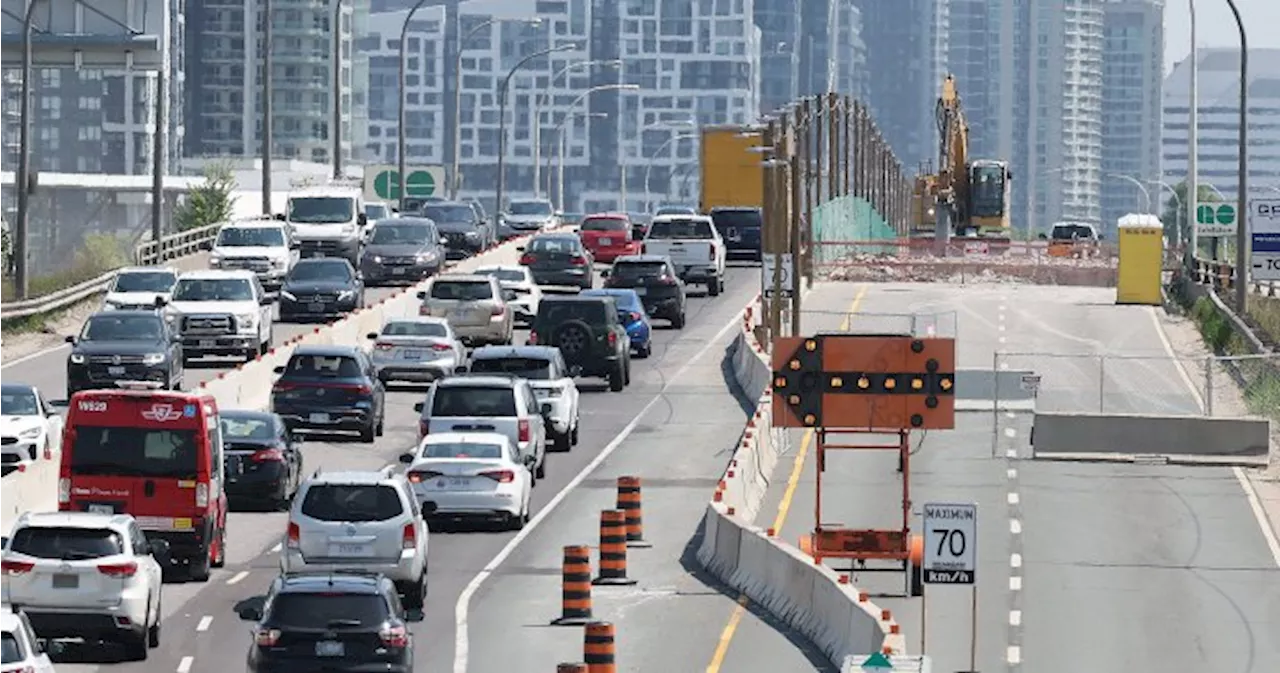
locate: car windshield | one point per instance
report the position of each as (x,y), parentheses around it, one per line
(108,327)
(534,369)
(308,366)
(402,234)
(449,212)
(297,610)
(376,211)
(10,650)
(737,219)
(251,237)
(461,450)
(680,229)
(635,270)
(145,281)
(19,403)
(530,208)
(247,427)
(417,329)
(508,275)
(604,224)
(213,289)
(322,209)
(352,502)
(1068,232)
(134,452)
(568,246)
(462,290)
(322,269)
(67,544)
(474,401)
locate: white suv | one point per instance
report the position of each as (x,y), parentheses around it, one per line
(23,652)
(86,575)
(364,520)
(144,288)
(221,313)
(264,247)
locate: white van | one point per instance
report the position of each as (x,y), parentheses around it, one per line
(328,221)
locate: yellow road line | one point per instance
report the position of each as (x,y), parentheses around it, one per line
(784,507)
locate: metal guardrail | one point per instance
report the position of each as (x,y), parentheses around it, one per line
(1222,276)
(150,253)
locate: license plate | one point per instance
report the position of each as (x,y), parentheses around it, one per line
(115,371)
(398,272)
(101,509)
(208,343)
(64,581)
(350,550)
(413,355)
(640,291)
(455,483)
(316,307)
(606,241)
(319,418)
(330,648)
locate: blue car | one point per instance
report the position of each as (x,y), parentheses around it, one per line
(632,314)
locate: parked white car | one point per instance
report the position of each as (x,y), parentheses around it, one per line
(472,475)
(28,425)
(143,288)
(221,313)
(86,575)
(525,295)
(264,247)
(694,246)
(544,368)
(416,348)
(23,651)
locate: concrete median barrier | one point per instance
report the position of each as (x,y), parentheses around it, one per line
(33,488)
(1064,435)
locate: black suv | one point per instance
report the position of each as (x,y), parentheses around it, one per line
(460,225)
(589,335)
(124,346)
(328,388)
(346,620)
(321,288)
(654,279)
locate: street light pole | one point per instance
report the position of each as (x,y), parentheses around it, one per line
(569,114)
(502,116)
(560,143)
(537,117)
(402,126)
(1193,175)
(23,182)
(337,89)
(267,114)
(1242,184)
(1146,195)
(648,195)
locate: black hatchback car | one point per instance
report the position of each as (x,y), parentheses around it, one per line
(116,346)
(260,458)
(330,388)
(341,621)
(559,259)
(654,279)
(320,287)
(740,229)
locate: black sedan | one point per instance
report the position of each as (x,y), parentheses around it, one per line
(328,389)
(260,457)
(464,232)
(320,287)
(402,250)
(117,346)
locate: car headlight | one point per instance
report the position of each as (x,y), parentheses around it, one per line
(377,259)
(153,358)
(426,256)
(109,306)
(214,260)
(279,262)
(473,234)
(247,320)
(346,294)
(30,433)
(170,317)
(77,359)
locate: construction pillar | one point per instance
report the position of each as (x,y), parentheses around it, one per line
(812,141)
(768,237)
(796,179)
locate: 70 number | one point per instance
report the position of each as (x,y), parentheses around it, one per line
(950,540)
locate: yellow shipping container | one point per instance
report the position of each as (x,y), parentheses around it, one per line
(732,174)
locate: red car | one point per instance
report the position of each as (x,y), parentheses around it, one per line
(608,236)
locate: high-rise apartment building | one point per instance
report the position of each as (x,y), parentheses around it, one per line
(781,51)
(1132,80)
(833,54)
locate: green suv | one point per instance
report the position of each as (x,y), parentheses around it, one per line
(589,335)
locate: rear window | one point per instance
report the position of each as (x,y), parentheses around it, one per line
(246,428)
(339,610)
(461,450)
(738,219)
(638,269)
(590,312)
(461,290)
(473,401)
(526,368)
(10,650)
(680,229)
(417,329)
(1069,232)
(67,544)
(322,367)
(134,452)
(566,245)
(352,502)
(604,224)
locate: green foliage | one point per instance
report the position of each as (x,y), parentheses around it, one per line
(208,203)
(98,254)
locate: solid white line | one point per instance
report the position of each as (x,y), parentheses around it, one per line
(1259,513)
(239,576)
(1014,656)
(1015,583)
(1015,560)
(1015,527)
(205,621)
(462,608)
(1013,498)
(32,356)
(185,664)
(1015,618)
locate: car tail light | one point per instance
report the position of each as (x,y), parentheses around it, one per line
(642,248)
(409,539)
(394,636)
(293,536)
(666,280)
(64,490)
(13,568)
(500,476)
(613,338)
(268,456)
(25,669)
(633,317)
(423,429)
(578,260)
(202,494)
(526,260)
(497,310)
(383,346)
(523,425)
(282,385)
(711,252)
(266,637)
(420,476)
(440,348)
(118,570)
(533,338)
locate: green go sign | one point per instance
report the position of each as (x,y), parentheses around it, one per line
(420,183)
(1215,219)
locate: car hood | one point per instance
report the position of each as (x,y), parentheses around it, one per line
(135,298)
(317,286)
(395,249)
(118,347)
(194,307)
(11,426)
(250,251)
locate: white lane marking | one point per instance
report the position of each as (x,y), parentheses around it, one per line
(1013,498)
(1015,618)
(32,356)
(1012,473)
(276,549)
(461,648)
(1011,453)
(1015,583)
(239,576)
(1010,432)
(1001,326)
(185,664)
(1000,339)
(1015,560)
(1014,656)
(1000,318)
(1015,527)
(1168,349)
(205,621)
(1259,513)
(1002,306)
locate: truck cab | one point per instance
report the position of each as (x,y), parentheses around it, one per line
(156,455)
(328,221)
(694,246)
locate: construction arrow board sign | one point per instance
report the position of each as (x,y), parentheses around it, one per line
(950,543)
(864,382)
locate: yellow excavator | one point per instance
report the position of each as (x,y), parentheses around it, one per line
(971,198)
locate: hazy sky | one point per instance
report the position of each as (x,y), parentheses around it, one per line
(1215,27)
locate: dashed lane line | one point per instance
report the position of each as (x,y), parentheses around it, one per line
(204,623)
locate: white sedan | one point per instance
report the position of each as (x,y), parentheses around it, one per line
(28,425)
(420,349)
(525,295)
(472,475)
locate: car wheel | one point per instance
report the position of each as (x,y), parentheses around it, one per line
(713,288)
(573,434)
(198,568)
(678,321)
(368,433)
(265,347)
(617,379)
(153,631)
(644,351)
(135,646)
(560,441)
(378,430)
(626,381)
(540,472)
(416,595)
(220,559)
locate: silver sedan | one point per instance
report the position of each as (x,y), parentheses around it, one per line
(416,349)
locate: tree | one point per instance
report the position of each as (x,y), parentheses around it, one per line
(208,203)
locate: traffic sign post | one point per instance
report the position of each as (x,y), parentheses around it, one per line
(382,182)
(951,557)
(1264,234)
(785,273)
(1215,219)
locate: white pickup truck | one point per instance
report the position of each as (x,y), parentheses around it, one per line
(694,246)
(221,313)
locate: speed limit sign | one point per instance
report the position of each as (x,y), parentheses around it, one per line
(950,543)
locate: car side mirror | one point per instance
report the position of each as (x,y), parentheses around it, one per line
(362,219)
(418,407)
(519,248)
(295,246)
(531,461)
(1043,237)
(250,614)
(159,549)
(50,413)
(460,369)
(407,458)
(265,300)
(429,507)
(371,335)
(559,213)
(278,217)
(70,339)
(604,273)
(444,241)
(422,295)
(160,302)
(278,370)
(546,408)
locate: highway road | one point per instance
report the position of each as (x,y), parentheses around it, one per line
(675,426)
(1081,566)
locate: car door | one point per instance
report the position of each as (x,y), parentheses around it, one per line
(177,368)
(264,311)
(536,420)
(375,383)
(292,456)
(561,374)
(52,423)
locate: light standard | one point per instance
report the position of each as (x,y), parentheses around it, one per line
(502,116)
(1193,123)
(1242,187)
(537,115)
(337,89)
(559,131)
(1179,211)
(1146,194)
(648,194)
(267,114)
(23,182)
(568,114)
(663,124)
(402,126)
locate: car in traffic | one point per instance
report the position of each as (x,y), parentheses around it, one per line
(654,280)
(361,519)
(412,205)
(155,455)
(21,650)
(416,349)
(341,621)
(608,236)
(140,288)
(520,291)
(86,575)
(221,313)
(265,247)
(474,306)
(589,335)
(28,425)
(488,403)
(261,457)
(559,259)
(376,211)
(632,315)
(527,216)
(740,228)
(545,370)
(465,233)
(330,389)
(327,221)
(472,475)
(674,209)
(694,247)
(124,346)
(402,250)
(320,289)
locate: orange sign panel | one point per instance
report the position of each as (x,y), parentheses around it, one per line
(864,381)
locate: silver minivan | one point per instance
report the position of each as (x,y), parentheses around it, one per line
(473,305)
(489,403)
